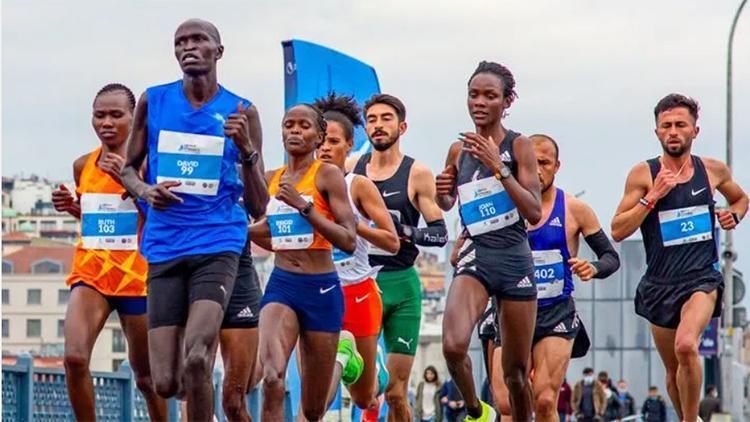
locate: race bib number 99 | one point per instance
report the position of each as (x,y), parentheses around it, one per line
(108,222)
(193,160)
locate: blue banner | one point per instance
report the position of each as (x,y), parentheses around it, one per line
(709,344)
(312,71)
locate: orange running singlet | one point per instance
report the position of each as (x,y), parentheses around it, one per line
(289,230)
(106,256)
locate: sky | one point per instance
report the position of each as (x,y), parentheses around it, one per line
(588,73)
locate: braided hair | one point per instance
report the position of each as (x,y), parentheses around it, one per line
(118,87)
(502,72)
(342,109)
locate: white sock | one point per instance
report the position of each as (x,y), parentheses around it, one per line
(343,359)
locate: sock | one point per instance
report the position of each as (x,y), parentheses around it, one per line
(343,359)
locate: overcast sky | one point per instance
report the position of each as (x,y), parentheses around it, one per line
(588,72)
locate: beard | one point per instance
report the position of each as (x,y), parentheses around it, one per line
(545,187)
(676,151)
(384,145)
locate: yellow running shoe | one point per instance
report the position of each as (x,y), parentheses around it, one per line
(488,414)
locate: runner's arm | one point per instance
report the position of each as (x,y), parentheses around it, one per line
(63,199)
(729,188)
(446,181)
(608,261)
(526,190)
(343,232)
(137,150)
(369,201)
(631,213)
(436,232)
(255,193)
(260,233)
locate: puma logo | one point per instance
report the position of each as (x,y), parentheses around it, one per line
(407,343)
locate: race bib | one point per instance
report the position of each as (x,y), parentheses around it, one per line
(374,250)
(193,160)
(341,259)
(486,206)
(289,229)
(108,222)
(549,272)
(685,225)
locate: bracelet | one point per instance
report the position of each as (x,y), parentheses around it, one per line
(646,203)
(736,218)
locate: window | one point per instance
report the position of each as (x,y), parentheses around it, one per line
(49,225)
(46,266)
(33,328)
(6,297)
(61,328)
(62,296)
(118,341)
(7,267)
(6,328)
(34,297)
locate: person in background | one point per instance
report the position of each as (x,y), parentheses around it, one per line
(588,398)
(710,404)
(565,401)
(453,402)
(627,402)
(427,406)
(612,406)
(654,409)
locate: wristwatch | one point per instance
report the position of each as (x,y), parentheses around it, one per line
(250,159)
(504,173)
(305,211)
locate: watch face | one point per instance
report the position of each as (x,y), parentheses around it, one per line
(505,172)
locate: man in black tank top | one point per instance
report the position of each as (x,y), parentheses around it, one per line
(670,198)
(408,189)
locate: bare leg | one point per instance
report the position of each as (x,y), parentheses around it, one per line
(279,329)
(239,347)
(318,358)
(551,356)
(467,300)
(84,318)
(499,390)
(201,338)
(517,322)
(135,328)
(664,340)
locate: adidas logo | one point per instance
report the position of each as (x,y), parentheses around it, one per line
(524,283)
(560,328)
(245,313)
(555,222)
(575,322)
(505,157)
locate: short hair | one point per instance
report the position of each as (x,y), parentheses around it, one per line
(677,100)
(319,119)
(502,72)
(547,138)
(588,370)
(342,109)
(653,388)
(213,32)
(388,100)
(710,389)
(117,87)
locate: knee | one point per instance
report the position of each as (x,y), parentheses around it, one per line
(314,413)
(197,365)
(76,362)
(233,404)
(394,394)
(502,403)
(362,402)
(454,350)
(273,380)
(166,387)
(144,383)
(546,403)
(685,348)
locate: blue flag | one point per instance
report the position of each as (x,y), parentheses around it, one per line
(312,71)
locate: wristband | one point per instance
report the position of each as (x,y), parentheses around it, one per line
(305,211)
(736,218)
(646,203)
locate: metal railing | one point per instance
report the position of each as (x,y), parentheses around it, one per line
(40,394)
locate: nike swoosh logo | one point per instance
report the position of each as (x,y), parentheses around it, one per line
(360,299)
(324,291)
(696,192)
(387,194)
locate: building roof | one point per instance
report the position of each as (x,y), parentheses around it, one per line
(23,259)
(16,237)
